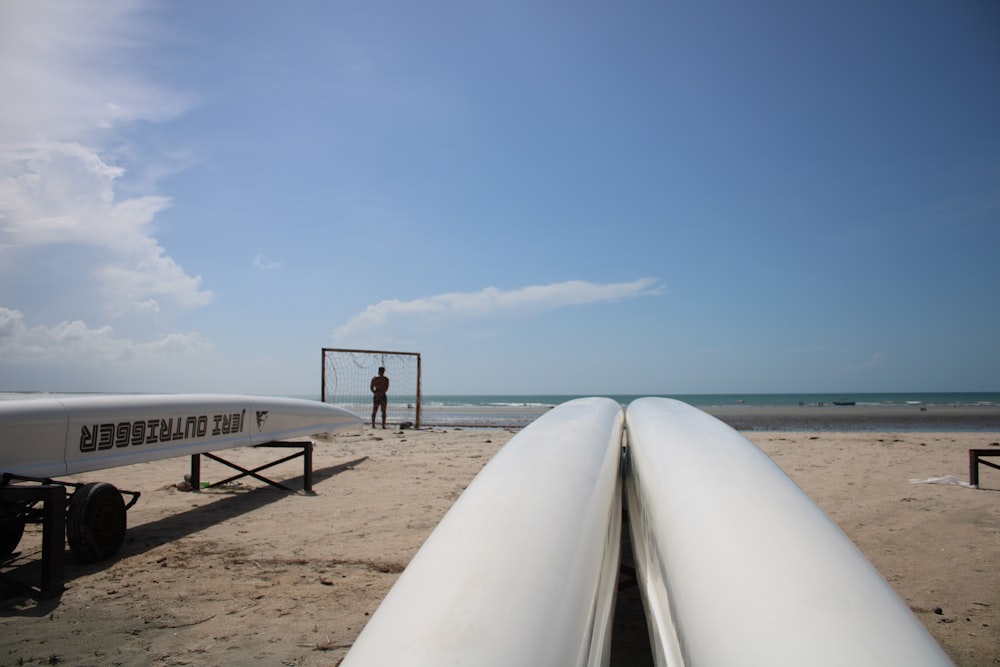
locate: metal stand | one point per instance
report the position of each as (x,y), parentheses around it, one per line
(975,458)
(307,467)
(53,518)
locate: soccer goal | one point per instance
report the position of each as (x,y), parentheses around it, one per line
(347,376)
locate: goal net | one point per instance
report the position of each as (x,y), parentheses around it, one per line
(347,376)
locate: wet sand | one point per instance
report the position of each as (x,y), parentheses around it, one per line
(860,417)
(812,417)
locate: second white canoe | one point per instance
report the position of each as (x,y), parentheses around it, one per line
(523,569)
(737,566)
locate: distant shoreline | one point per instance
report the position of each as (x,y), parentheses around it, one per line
(941,412)
(860,418)
(984,418)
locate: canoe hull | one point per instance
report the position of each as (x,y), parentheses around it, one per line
(523,569)
(59,436)
(727,546)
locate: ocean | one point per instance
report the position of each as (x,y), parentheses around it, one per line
(910,411)
(697,400)
(727,400)
(867,411)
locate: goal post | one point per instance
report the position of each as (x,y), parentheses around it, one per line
(346,382)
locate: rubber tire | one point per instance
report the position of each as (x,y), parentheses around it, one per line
(11,531)
(95,522)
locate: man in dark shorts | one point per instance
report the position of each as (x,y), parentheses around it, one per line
(379,387)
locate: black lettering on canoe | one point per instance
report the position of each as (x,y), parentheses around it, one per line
(179,431)
(99,437)
(88,438)
(190,427)
(105,436)
(138,432)
(122,431)
(153,430)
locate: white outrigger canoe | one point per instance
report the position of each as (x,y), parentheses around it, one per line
(737,566)
(523,569)
(50,437)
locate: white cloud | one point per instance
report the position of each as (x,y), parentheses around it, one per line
(264,263)
(65,72)
(75,342)
(56,193)
(492,301)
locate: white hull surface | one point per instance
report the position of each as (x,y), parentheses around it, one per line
(50,437)
(523,569)
(737,566)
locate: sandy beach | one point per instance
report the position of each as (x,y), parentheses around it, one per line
(248,574)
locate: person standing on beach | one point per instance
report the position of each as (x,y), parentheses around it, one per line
(379,387)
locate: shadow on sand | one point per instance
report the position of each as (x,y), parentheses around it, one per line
(26,566)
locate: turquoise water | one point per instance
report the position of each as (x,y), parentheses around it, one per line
(724,400)
(698,400)
(518,410)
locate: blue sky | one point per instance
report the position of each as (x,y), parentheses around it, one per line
(540,197)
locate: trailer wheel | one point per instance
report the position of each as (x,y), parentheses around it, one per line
(11,530)
(95,522)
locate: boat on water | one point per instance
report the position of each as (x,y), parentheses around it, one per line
(844,401)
